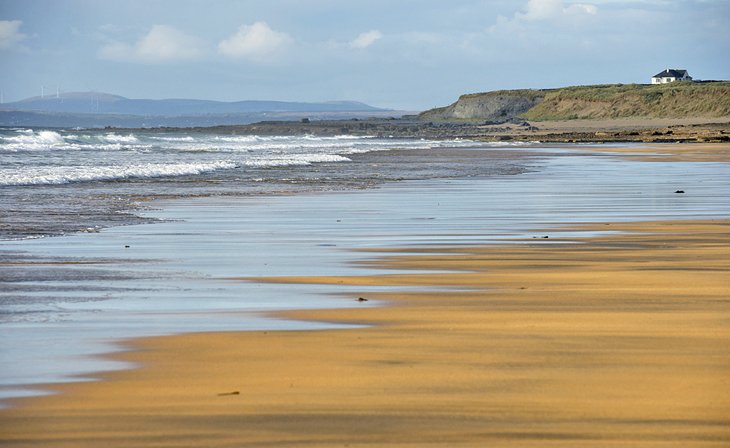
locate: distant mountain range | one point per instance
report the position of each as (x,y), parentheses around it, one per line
(95,109)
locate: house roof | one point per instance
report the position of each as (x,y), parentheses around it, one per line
(671,73)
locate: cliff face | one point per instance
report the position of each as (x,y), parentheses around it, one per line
(675,100)
(499,106)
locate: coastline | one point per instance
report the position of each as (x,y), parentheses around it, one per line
(181,393)
(621,130)
(536,346)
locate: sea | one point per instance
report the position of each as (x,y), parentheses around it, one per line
(107,236)
(54,181)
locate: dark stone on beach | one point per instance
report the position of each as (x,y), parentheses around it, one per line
(223,394)
(679,191)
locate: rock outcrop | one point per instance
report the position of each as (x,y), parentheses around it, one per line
(494,107)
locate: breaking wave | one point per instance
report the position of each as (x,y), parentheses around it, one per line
(114,138)
(68,174)
(301,160)
(31,140)
(55,175)
(89,156)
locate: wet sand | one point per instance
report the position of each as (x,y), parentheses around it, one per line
(697,152)
(620,341)
(614,340)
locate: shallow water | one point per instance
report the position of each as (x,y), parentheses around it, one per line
(170,277)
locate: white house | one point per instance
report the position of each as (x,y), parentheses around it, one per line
(671,75)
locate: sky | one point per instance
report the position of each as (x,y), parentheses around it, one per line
(401,54)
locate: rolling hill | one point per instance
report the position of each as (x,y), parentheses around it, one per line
(95,109)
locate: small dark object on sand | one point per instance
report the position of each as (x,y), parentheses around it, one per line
(223,394)
(679,191)
(362,299)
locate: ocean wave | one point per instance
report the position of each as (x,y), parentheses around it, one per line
(69,174)
(294,160)
(509,144)
(56,175)
(31,140)
(187,138)
(114,138)
(246,138)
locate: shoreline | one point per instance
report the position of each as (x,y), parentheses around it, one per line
(400,323)
(541,347)
(628,130)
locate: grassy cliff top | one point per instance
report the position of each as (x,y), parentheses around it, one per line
(608,101)
(673,100)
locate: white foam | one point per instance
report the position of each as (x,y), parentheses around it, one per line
(114,138)
(294,160)
(32,140)
(85,157)
(174,139)
(56,175)
(68,174)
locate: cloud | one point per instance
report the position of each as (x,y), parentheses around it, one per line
(364,40)
(536,10)
(9,34)
(538,20)
(161,44)
(257,42)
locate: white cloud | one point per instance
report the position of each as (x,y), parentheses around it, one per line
(536,10)
(581,8)
(540,10)
(9,34)
(161,44)
(550,17)
(257,42)
(366,39)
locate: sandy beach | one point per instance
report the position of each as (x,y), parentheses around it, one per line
(619,339)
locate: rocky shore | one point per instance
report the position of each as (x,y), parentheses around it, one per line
(572,131)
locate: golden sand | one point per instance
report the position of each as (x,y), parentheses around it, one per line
(618,340)
(621,340)
(679,152)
